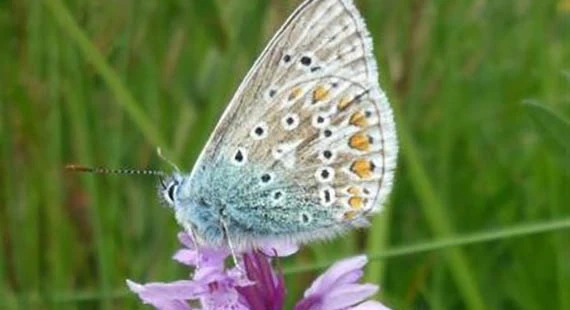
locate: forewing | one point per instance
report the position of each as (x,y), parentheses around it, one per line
(311,111)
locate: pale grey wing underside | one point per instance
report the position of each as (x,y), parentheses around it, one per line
(311,111)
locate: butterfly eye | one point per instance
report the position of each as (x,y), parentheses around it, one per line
(170,191)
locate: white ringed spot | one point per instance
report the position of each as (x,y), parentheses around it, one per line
(290,121)
(324,174)
(260,131)
(240,157)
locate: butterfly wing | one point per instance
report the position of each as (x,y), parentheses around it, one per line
(307,145)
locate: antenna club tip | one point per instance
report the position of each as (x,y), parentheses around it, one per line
(76,167)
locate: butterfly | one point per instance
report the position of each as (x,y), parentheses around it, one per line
(306,148)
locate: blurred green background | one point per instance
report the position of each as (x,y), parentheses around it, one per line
(105,82)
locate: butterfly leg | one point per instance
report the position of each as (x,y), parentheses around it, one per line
(193,236)
(230,244)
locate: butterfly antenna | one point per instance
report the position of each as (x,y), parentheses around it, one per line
(101,170)
(159,152)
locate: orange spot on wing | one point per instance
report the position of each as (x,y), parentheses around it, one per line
(360,142)
(358,119)
(344,103)
(349,215)
(295,93)
(320,93)
(356,202)
(363,168)
(353,190)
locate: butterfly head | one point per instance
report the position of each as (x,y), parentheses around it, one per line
(169,188)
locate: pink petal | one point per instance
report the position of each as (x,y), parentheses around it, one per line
(278,248)
(186,257)
(343,272)
(212,257)
(239,277)
(223,297)
(370,305)
(208,274)
(167,296)
(186,240)
(348,295)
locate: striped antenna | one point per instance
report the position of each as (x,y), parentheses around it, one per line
(100,170)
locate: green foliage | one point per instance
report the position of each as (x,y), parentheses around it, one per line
(106,82)
(553,128)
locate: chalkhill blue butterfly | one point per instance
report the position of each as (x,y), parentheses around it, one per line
(306,148)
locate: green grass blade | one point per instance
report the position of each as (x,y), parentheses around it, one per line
(553,128)
(518,231)
(91,54)
(434,210)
